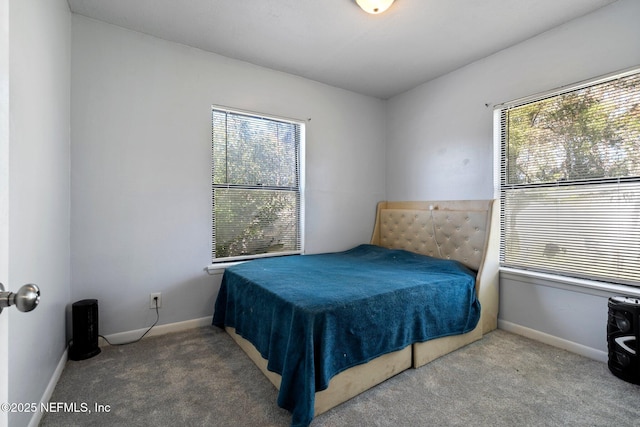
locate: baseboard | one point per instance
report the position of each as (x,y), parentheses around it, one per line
(124,337)
(48,392)
(562,343)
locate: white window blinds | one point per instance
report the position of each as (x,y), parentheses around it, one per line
(256,186)
(570,182)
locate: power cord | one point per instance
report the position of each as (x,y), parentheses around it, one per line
(146,332)
(433,226)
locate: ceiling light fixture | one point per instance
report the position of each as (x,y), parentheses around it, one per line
(374,6)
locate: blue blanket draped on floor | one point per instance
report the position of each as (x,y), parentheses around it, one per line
(313,316)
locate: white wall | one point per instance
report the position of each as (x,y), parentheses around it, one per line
(39,194)
(4,198)
(440,142)
(140,167)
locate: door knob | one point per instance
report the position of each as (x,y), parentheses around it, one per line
(26,299)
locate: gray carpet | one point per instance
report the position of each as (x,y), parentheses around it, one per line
(201,378)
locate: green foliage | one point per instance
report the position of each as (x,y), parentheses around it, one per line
(250,222)
(570,186)
(585,134)
(255,179)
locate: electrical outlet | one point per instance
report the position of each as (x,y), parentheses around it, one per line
(153,301)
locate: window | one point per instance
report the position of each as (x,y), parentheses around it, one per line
(256,185)
(569,181)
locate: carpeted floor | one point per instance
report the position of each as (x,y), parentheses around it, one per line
(201,378)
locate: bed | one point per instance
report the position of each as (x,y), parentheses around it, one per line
(324,328)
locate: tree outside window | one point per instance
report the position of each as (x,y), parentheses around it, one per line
(570,182)
(256,189)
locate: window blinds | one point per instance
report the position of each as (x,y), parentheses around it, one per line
(256,186)
(570,182)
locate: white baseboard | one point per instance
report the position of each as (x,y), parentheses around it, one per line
(48,392)
(562,343)
(124,337)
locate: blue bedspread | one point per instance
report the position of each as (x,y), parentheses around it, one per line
(313,316)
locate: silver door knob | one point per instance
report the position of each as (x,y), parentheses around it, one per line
(26,299)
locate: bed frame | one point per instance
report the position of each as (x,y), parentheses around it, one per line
(466,231)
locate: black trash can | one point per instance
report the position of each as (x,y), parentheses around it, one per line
(623,336)
(84,316)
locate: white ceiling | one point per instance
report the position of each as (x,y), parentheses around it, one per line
(335,42)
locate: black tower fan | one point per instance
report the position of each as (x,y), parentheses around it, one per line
(85,329)
(623,336)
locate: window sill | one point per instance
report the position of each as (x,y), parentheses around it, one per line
(569,283)
(219,267)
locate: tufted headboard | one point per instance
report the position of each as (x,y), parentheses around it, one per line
(443,229)
(463,230)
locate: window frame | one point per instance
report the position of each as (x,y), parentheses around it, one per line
(575,279)
(222,262)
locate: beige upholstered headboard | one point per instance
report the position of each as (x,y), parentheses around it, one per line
(463,230)
(444,229)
